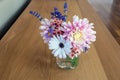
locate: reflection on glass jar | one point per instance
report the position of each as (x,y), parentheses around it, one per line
(67,63)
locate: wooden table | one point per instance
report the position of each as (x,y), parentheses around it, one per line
(24,56)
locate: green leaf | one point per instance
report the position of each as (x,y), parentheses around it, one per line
(74,61)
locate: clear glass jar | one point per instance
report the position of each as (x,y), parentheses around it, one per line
(67,63)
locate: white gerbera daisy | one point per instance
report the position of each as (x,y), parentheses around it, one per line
(61,47)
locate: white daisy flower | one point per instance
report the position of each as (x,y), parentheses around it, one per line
(61,47)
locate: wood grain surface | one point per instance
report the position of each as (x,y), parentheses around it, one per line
(109,12)
(107,47)
(24,56)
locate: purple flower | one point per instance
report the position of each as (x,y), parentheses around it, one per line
(47,35)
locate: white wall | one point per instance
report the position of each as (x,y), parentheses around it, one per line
(8,8)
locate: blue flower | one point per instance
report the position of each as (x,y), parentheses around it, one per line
(61,47)
(57,14)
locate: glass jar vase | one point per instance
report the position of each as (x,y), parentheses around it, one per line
(67,63)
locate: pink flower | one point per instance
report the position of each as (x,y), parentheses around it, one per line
(51,28)
(74,52)
(80,32)
(45,24)
(46,31)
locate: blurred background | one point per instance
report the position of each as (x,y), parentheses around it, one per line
(109,12)
(9,12)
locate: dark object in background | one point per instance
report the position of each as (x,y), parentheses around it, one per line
(12,19)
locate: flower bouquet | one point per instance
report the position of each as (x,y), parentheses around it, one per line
(67,40)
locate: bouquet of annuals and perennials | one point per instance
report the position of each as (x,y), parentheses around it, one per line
(66,39)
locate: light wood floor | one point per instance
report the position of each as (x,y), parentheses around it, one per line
(109,12)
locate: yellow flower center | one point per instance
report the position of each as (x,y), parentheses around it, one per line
(77,35)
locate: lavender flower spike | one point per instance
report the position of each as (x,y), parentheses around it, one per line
(65,9)
(65,6)
(36,14)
